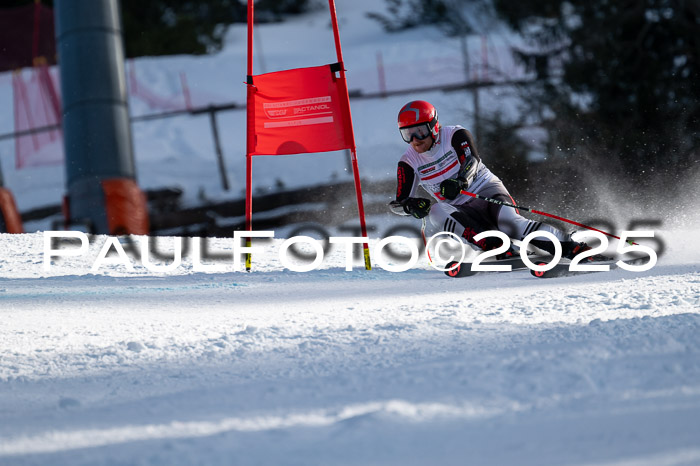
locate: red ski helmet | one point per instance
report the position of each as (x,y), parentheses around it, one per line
(418,119)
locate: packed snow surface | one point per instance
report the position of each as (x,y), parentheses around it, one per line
(344,367)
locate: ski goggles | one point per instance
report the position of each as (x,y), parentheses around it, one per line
(419,132)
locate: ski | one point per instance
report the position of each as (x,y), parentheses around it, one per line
(562,269)
(464,269)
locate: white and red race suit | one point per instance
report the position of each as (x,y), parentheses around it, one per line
(454,155)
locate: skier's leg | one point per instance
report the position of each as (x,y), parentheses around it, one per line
(465,221)
(518,227)
(509,221)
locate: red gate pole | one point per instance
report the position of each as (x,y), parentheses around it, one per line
(345,100)
(250,138)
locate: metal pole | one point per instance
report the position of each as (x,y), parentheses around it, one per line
(380,73)
(96,128)
(465,55)
(219,152)
(475,92)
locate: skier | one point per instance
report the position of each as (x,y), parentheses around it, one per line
(445,161)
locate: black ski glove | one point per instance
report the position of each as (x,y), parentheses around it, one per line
(450,188)
(419,207)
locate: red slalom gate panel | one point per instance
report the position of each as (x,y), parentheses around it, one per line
(299,111)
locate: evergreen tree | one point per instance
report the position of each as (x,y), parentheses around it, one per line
(630,88)
(167,27)
(407,14)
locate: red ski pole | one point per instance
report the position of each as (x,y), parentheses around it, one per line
(538,212)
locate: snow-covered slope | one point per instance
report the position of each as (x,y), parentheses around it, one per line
(336,367)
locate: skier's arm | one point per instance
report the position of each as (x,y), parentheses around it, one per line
(405,188)
(405,181)
(463,145)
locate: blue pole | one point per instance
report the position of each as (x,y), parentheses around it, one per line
(96,128)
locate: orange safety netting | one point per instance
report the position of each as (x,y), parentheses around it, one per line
(10,219)
(37,105)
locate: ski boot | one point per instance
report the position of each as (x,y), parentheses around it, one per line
(573,249)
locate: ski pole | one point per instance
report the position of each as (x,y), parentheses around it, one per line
(538,212)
